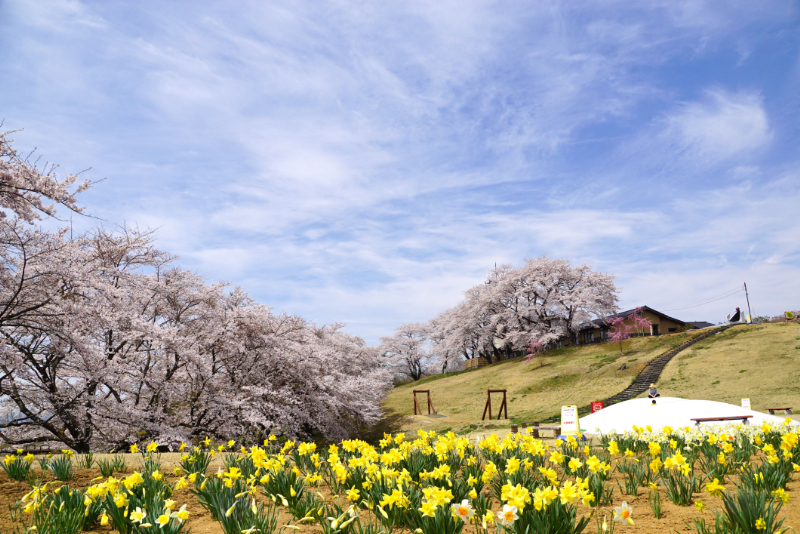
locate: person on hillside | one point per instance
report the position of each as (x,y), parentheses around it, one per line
(652,393)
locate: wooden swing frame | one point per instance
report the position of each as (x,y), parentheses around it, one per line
(488,407)
(417,410)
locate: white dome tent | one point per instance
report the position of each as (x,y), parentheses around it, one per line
(668,411)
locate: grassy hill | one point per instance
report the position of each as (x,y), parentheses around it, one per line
(761,362)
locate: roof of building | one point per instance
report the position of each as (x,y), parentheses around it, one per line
(700,324)
(604,321)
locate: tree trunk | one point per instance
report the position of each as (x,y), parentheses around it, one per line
(82,448)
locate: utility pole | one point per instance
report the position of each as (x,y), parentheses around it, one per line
(748,303)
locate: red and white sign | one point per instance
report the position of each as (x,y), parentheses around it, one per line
(569,420)
(597,406)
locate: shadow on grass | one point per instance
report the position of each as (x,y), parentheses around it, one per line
(392,423)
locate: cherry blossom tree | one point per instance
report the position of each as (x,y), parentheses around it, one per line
(405,351)
(535,348)
(25,188)
(142,348)
(31,260)
(445,355)
(40,276)
(461,333)
(548,299)
(545,299)
(106,341)
(640,322)
(619,331)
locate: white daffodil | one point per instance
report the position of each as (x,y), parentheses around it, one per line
(464,510)
(623,513)
(508,515)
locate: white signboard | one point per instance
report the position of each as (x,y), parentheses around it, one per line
(569,421)
(746,404)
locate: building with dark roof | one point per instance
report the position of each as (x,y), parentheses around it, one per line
(660,323)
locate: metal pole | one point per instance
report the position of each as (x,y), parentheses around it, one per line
(748,303)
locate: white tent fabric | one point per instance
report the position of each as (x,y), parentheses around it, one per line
(668,411)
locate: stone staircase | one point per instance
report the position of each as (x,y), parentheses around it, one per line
(649,374)
(652,370)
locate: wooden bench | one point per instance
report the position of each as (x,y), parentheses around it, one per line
(742,418)
(536,427)
(787,411)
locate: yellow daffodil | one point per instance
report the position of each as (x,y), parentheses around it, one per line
(182,514)
(428,509)
(574,464)
(138,515)
(700,506)
(715,488)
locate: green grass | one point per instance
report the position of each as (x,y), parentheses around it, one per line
(572,375)
(757,362)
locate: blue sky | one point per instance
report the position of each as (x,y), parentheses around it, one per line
(366,163)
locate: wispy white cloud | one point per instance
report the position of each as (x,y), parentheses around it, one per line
(367,163)
(722,126)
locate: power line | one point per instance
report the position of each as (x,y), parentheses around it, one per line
(707,301)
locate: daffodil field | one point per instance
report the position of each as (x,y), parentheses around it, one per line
(727,479)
